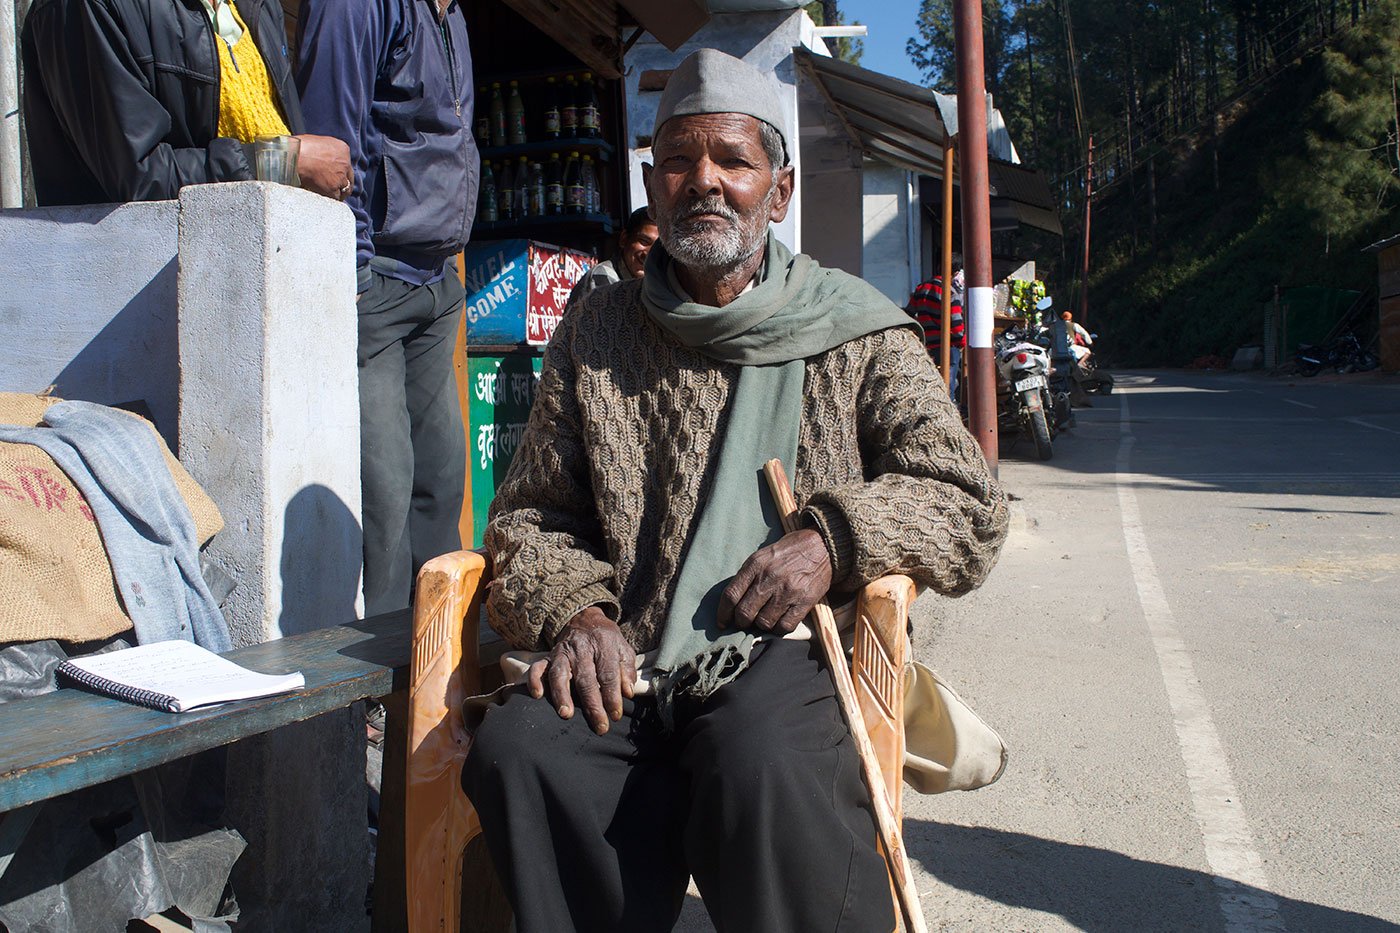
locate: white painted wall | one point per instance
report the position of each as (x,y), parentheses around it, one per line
(87,304)
(885,212)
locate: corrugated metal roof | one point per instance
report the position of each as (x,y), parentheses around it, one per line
(898,122)
(906,125)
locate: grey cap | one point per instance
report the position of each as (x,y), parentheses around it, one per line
(709,81)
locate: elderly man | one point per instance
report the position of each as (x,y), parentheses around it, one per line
(634,520)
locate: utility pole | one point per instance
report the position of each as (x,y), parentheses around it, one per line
(977,225)
(1088,215)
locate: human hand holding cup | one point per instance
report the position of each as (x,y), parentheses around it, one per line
(275,159)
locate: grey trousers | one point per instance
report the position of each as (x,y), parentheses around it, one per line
(413,446)
(757,793)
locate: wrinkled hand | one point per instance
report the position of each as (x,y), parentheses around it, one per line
(778,585)
(324,166)
(592,664)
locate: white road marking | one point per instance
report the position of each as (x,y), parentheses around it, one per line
(1298,403)
(1241,883)
(1375,427)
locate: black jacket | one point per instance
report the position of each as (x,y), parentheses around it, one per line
(121,97)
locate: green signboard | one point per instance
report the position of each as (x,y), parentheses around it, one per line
(500,391)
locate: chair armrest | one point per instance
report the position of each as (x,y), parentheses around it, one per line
(443,672)
(877,668)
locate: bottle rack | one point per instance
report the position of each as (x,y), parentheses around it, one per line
(554,223)
(600,149)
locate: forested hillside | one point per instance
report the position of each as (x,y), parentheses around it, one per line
(1239,145)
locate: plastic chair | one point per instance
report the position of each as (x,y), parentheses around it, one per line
(439,819)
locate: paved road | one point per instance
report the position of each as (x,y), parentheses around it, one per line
(1190,645)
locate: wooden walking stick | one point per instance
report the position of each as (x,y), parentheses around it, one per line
(850,708)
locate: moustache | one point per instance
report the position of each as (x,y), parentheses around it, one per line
(712,205)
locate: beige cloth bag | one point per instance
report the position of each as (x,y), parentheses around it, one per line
(55,579)
(947,746)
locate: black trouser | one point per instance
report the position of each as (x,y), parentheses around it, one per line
(413,447)
(757,793)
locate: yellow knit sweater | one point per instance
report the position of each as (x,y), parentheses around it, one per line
(248,106)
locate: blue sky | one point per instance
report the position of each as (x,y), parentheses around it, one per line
(891,24)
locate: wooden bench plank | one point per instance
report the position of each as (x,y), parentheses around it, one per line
(71,739)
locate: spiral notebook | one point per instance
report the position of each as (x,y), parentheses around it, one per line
(173,676)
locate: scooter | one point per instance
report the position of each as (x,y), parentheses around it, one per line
(1025,366)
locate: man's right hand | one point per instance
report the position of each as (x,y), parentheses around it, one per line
(593,665)
(324,166)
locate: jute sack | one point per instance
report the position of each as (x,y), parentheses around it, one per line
(55,579)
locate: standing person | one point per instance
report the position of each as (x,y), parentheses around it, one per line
(634,242)
(131,100)
(633,519)
(926,307)
(394,79)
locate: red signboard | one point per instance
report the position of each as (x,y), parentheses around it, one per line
(553,274)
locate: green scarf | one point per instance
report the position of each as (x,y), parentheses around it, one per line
(795,310)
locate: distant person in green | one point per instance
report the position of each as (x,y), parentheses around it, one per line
(634,242)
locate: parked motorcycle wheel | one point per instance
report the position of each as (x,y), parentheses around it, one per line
(1040,432)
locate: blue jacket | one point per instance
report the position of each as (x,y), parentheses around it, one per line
(395,82)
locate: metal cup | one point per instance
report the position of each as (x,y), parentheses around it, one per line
(275,159)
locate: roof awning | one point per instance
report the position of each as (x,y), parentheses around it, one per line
(1022,192)
(905,125)
(898,122)
(589,29)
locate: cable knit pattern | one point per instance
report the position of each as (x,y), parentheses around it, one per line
(598,505)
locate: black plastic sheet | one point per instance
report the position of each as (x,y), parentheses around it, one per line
(93,859)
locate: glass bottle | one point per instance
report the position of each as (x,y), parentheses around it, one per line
(573,185)
(498,116)
(505,192)
(554,185)
(568,109)
(551,109)
(489,212)
(483,121)
(536,206)
(515,116)
(588,124)
(522,189)
(589,180)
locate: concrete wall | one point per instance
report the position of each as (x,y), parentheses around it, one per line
(87,304)
(888,239)
(269,399)
(257,373)
(764,40)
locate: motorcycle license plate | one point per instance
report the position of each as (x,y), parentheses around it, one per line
(1031,382)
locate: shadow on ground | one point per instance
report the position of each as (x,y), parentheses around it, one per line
(1094,889)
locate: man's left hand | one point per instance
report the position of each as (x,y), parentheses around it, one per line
(778,585)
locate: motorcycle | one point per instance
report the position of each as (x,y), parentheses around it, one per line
(1344,355)
(1073,376)
(1025,366)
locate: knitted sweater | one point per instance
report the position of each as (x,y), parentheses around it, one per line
(600,499)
